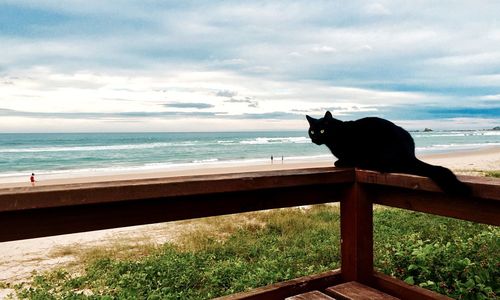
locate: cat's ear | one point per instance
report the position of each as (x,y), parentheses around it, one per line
(310,120)
(328,115)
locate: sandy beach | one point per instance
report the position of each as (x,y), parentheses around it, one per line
(20,259)
(462,162)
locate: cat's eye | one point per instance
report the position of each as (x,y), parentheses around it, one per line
(312,131)
(322,131)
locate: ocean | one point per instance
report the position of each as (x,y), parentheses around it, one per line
(70,154)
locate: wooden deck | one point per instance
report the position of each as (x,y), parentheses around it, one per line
(51,210)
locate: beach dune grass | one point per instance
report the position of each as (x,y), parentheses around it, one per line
(229,254)
(495,174)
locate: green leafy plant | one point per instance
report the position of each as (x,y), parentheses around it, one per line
(493,174)
(457,258)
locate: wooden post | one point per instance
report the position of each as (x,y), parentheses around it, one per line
(356,225)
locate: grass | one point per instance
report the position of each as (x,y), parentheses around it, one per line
(235,253)
(453,257)
(495,174)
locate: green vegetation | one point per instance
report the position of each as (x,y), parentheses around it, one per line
(493,174)
(456,258)
(240,252)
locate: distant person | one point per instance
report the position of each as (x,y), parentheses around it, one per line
(272,159)
(281,159)
(32,179)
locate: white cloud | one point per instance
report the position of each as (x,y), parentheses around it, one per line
(323,49)
(90,57)
(490,97)
(376,9)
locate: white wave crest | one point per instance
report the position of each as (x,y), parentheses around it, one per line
(276,140)
(92,148)
(448,147)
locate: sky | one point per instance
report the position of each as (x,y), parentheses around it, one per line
(99,66)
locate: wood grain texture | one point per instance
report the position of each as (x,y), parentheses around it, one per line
(290,288)
(473,209)
(356,228)
(314,295)
(31,223)
(403,290)
(356,291)
(14,199)
(482,187)
(51,210)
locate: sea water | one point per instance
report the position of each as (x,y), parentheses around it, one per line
(68,154)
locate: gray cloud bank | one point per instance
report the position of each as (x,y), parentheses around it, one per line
(447,53)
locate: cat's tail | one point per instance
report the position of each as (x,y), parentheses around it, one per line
(443,177)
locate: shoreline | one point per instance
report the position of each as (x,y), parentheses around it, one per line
(470,162)
(462,161)
(171,171)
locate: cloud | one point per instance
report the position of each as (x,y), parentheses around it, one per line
(491,97)
(104,116)
(232,95)
(254,58)
(189,105)
(248,100)
(376,9)
(348,110)
(269,116)
(323,49)
(226,93)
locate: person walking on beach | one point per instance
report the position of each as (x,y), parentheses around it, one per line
(271,159)
(32,179)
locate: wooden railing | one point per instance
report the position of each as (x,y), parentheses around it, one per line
(31,212)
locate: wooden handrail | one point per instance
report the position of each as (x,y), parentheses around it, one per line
(30,212)
(250,191)
(422,194)
(19,198)
(482,187)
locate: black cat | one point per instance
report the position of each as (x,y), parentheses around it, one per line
(379,145)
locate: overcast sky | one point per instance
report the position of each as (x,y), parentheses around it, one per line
(246,65)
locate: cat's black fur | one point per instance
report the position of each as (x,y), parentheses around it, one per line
(377,144)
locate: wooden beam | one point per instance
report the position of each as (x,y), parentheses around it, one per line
(421,194)
(313,295)
(241,194)
(477,210)
(401,289)
(19,198)
(482,187)
(50,210)
(356,226)
(355,290)
(290,288)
